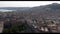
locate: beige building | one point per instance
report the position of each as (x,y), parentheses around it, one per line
(1,26)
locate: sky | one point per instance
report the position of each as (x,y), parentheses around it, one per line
(25,3)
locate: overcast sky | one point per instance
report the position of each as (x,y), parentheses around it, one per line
(25,3)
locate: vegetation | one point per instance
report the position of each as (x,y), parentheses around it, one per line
(15,28)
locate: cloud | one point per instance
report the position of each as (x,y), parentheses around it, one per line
(25,3)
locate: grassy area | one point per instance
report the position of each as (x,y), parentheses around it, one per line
(15,29)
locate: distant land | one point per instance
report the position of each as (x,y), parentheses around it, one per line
(53,6)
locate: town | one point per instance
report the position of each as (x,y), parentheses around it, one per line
(41,19)
(31,23)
